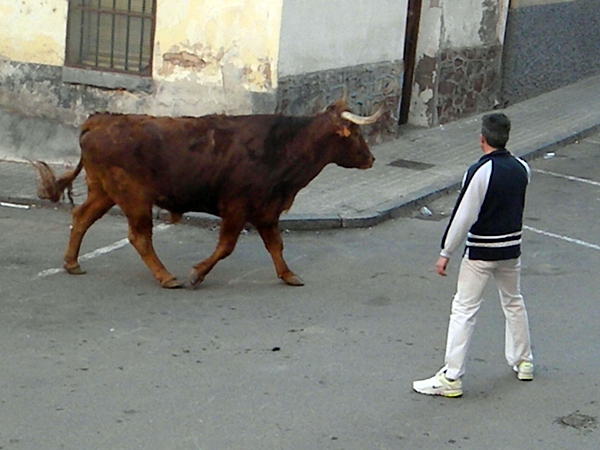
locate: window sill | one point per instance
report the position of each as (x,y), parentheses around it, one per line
(107,80)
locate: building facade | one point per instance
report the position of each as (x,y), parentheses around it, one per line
(61,60)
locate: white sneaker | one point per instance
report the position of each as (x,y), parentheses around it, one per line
(524,371)
(439,385)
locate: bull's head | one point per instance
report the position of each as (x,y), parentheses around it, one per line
(349,147)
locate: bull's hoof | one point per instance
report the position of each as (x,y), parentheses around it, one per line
(292,279)
(195,278)
(74,270)
(173,283)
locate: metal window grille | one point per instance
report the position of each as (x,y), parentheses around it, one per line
(111,35)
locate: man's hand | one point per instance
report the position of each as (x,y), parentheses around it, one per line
(441,264)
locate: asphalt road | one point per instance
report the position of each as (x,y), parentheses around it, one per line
(109,360)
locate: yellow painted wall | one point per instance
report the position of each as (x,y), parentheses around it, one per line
(208,40)
(203,41)
(33,31)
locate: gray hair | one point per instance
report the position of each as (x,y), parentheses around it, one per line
(495,128)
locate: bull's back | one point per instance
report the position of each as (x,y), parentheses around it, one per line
(187,164)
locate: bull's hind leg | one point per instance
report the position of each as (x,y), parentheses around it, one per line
(272,238)
(95,206)
(228,236)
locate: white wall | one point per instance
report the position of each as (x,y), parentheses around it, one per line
(320,35)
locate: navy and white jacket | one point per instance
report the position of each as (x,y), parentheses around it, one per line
(489,209)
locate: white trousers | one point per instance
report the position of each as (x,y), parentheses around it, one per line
(472,278)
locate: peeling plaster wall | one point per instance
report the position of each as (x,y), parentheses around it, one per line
(209,56)
(458,59)
(198,38)
(426,71)
(214,55)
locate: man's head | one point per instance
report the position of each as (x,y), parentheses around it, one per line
(495,130)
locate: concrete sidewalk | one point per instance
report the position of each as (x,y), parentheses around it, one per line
(419,164)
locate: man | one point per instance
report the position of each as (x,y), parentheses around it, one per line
(489,213)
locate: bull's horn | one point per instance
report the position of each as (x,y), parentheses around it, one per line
(360,120)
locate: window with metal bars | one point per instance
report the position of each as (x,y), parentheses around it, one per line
(111,35)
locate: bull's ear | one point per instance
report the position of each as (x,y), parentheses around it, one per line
(344,131)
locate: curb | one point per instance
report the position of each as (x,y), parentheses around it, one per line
(370,218)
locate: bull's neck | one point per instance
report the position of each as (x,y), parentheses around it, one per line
(308,153)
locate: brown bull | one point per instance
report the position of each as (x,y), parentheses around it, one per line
(244,169)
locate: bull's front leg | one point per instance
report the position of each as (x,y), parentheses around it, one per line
(272,238)
(228,236)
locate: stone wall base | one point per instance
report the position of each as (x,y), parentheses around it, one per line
(460,82)
(368,86)
(548,47)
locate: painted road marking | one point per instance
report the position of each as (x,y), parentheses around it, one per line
(98,252)
(562,238)
(559,236)
(567,177)
(14,205)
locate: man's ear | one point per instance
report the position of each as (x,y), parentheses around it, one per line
(482,141)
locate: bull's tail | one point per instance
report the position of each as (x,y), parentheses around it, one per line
(52,188)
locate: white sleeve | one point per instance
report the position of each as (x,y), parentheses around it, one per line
(466,210)
(527,168)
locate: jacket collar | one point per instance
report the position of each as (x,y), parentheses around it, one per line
(496,153)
